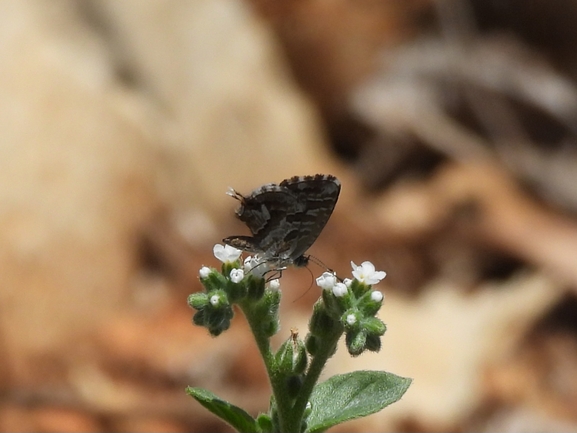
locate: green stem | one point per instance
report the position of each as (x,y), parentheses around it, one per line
(325,351)
(277,383)
(290,414)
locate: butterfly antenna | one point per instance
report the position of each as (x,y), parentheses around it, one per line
(310,285)
(319,263)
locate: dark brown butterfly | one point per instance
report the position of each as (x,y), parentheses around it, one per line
(286,219)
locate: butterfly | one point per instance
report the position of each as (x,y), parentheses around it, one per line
(285,219)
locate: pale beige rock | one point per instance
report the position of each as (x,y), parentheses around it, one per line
(75,180)
(236,118)
(86,159)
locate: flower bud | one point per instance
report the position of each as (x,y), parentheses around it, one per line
(355,342)
(214,281)
(369,304)
(198,301)
(374,326)
(373,343)
(218,321)
(204,272)
(291,358)
(236,275)
(321,324)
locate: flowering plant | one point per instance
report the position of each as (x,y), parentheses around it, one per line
(298,403)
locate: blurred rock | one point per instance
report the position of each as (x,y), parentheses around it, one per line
(114,112)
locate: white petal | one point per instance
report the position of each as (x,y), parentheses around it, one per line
(339,290)
(368,267)
(218,251)
(326,281)
(232,253)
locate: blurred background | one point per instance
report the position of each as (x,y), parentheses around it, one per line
(452,125)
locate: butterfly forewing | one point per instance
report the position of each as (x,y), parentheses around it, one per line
(286,219)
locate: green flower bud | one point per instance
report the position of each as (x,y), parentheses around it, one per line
(369,304)
(218,321)
(199,318)
(214,281)
(321,324)
(374,326)
(291,358)
(373,343)
(355,342)
(334,305)
(198,301)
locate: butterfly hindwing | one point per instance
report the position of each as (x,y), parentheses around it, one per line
(287,218)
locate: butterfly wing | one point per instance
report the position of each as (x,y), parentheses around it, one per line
(265,211)
(287,218)
(318,196)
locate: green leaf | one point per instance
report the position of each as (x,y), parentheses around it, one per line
(353,395)
(230,413)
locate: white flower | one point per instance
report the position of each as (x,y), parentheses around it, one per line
(274,285)
(236,275)
(226,253)
(247,264)
(366,273)
(347,282)
(377,296)
(204,272)
(339,290)
(256,266)
(351,319)
(326,281)
(215,300)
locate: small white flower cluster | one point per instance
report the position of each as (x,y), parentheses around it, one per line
(252,264)
(365,273)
